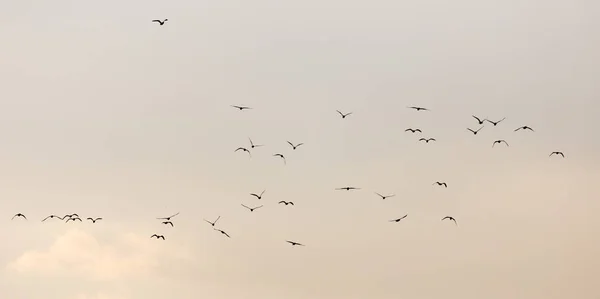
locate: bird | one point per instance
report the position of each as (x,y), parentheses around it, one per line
(418,108)
(157,236)
(241,107)
(450,218)
(398,220)
(413,130)
(73,219)
(252,145)
(441,184)
(222,232)
(213,223)
(94,220)
(282,157)
(286,202)
(557,153)
(495,122)
(385,196)
(499,141)
(251,209)
(71,215)
(294,243)
(478,119)
(243,149)
(258,196)
(53,216)
(348,188)
(342,114)
(168,218)
(475,132)
(427,139)
(524,128)
(18,215)
(160,22)
(168,222)
(295,146)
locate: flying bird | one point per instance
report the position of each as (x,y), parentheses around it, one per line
(475,132)
(168,218)
(450,218)
(18,215)
(524,128)
(398,220)
(213,223)
(168,222)
(243,149)
(295,146)
(348,188)
(441,184)
(427,139)
(73,219)
(160,22)
(282,157)
(385,196)
(418,108)
(53,216)
(258,196)
(342,114)
(94,220)
(499,141)
(157,236)
(495,122)
(222,232)
(286,202)
(413,130)
(295,243)
(71,215)
(557,153)
(251,209)
(240,107)
(478,119)
(252,145)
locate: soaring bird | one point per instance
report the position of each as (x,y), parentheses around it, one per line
(222,232)
(385,196)
(258,196)
(94,220)
(252,145)
(524,128)
(427,139)
(475,132)
(295,243)
(157,236)
(168,222)
(73,219)
(418,108)
(557,153)
(348,188)
(286,202)
(499,141)
(243,149)
(251,209)
(53,216)
(18,215)
(495,122)
(281,156)
(168,218)
(413,130)
(450,218)
(478,119)
(71,215)
(213,223)
(160,22)
(398,220)
(441,184)
(342,114)
(295,146)
(241,107)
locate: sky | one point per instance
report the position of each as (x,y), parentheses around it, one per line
(106,114)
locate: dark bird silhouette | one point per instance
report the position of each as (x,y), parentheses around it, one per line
(499,141)
(252,145)
(295,146)
(94,220)
(241,107)
(427,139)
(342,114)
(160,22)
(157,236)
(495,122)
(258,196)
(18,215)
(281,156)
(71,215)
(475,132)
(524,128)
(251,209)
(222,232)
(348,188)
(53,216)
(243,149)
(413,130)
(478,119)
(213,223)
(441,184)
(286,202)
(418,108)
(168,218)
(168,222)
(450,218)
(73,219)
(557,153)
(385,196)
(398,220)
(295,243)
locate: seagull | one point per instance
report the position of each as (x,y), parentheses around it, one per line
(258,196)
(413,130)
(295,243)
(282,157)
(53,216)
(168,222)
(385,196)
(427,139)
(94,220)
(450,218)
(160,22)
(18,215)
(342,114)
(73,219)
(347,188)
(478,119)
(418,108)
(168,218)
(213,223)
(240,107)
(222,232)
(251,209)
(475,132)
(398,220)
(286,202)
(557,153)
(495,122)
(71,215)
(295,146)
(499,141)
(252,145)
(243,149)
(157,236)
(441,184)
(524,128)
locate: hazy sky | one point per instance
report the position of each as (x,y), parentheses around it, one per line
(105,114)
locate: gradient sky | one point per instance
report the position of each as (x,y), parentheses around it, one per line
(106,114)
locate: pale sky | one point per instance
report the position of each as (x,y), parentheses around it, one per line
(105,114)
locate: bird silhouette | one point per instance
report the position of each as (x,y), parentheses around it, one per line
(252,145)
(427,139)
(295,243)
(18,215)
(286,202)
(524,128)
(53,216)
(398,220)
(214,222)
(418,108)
(281,156)
(251,209)
(557,153)
(385,196)
(222,232)
(71,215)
(348,188)
(157,236)
(441,184)
(73,219)
(168,222)
(160,22)
(342,114)
(168,218)
(241,107)
(475,132)
(450,218)
(478,119)
(94,220)
(499,141)
(413,130)
(243,149)
(495,122)
(295,146)
(258,196)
